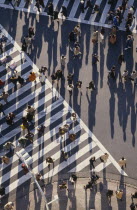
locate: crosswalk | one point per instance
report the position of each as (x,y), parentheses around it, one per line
(53,112)
(74,11)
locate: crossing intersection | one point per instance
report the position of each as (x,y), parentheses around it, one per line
(75,14)
(52,111)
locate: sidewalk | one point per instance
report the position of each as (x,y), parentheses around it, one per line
(77,198)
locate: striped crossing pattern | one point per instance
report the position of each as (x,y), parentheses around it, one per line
(74,11)
(52,111)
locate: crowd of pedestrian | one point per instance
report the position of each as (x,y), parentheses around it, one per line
(115,18)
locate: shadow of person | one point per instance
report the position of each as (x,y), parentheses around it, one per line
(122,186)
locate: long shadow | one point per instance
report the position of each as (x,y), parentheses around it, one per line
(122,186)
(105,203)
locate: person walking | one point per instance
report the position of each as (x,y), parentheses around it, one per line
(91,85)
(4,96)
(32,77)
(31,32)
(49,160)
(95,59)
(31,110)
(42,78)
(104,158)
(64,12)
(50,9)
(9,206)
(122,162)
(121,59)
(95,37)
(92,160)
(70,89)
(63,60)
(82,6)
(1,108)
(133,77)
(25,169)
(20,80)
(8,146)
(5,159)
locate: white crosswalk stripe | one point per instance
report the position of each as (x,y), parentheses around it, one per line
(53,112)
(73,8)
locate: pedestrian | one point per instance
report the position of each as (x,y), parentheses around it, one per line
(72,36)
(70,78)
(41,130)
(43,69)
(102,32)
(8,146)
(49,160)
(70,89)
(63,60)
(95,59)
(88,5)
(77,31)
(9,206)
(55,15)
(30,136)
(95,37)
(73,117)
(31,32)
(72,137)
(104,158)
(64,12)
(133,206)
(59,74)
(112,72)
(37,5)
(61,131)
(133,77)
(22,141)
(32,77)
(82,6)
(119,194)
(64,155)
(42,78)
(122,162)
(91,85)
(92,160)
(112,38)
(5,159)
(31,110)
(73,178)
(96,9)
(1,108)
(54,78)
(134,195)
(9,118)
(25,168)
(76,51)
(79,84)
(39,177)
(25,124)
(50,9)
(2,83)
(121,59)
(88,186)
(4,96)
(20,80)
(63,185)
(24,47)
(125,75)
(14,80)
(42,3)
(129,42)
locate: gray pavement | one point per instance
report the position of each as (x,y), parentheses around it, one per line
(110,112)
(76,197)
